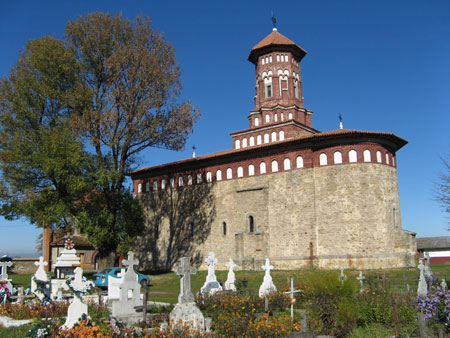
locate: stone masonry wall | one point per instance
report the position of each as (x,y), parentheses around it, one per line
(324,217)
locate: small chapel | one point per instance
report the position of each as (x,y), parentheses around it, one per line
(286,191)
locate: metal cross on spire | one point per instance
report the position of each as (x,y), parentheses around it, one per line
(341,126)
(274,22)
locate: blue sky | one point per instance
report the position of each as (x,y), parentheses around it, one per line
(383,65)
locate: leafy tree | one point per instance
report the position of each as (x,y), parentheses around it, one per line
(122,97)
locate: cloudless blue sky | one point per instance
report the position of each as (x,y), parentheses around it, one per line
(384,65)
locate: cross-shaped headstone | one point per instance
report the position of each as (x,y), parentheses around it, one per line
(231,265)
(4,273)
(361,281)
(78,283)
(40,273)
(130,263)
(342,277)
(291,294)
(267,267)
(211,261)
(185,270)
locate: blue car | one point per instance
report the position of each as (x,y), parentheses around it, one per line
(102,276)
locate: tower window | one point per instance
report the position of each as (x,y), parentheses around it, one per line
(366,155)
(352,156)
(155,185)
(299,162)
(163,184)
(229,173)
(287,164)
(323,159)
(274,166)
(296,89)
(172,182)
(256,121)
(262,168)
(199,178)
(269,90)
(208,177)
(337,157)
(219,175)
(180,181)
(258,139)
(251,170)
(252,141)
(224,228)
(189,179)
(240,171)
(139,187)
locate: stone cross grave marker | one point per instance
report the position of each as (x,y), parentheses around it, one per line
(231,278)
(291,294)
(361,279)
(267,285)
(186,311)
(422,289)
(211,285)
(41,276)
(185,270)
(114,285)
(429,277)
(4,272)
(443,284)
(77,308)
(130,291)
(342,277)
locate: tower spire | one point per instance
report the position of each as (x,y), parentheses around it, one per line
(274,22)
(341,125)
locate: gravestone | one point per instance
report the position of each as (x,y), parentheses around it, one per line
(67,260)
(291,294)
(211,285)
(114,285)
(186,311)
(40,283)
(342,277)
(443,284)
(429,277)
(77,308)
(129,293)
(361,279)
(231,278)
(4,280)
(267,285)
(422,289)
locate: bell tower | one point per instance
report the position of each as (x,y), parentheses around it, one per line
(279,112)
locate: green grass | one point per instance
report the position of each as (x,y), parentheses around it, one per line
(165,287)
(15,332)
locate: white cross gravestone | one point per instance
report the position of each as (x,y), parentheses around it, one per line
(443,285)
(40,277)
(130,290)
(4,275)
(267,285)
(291,294)
(342,277)
(361,279)
(77,308)
(186,311)
(422,289)
(231,278)
(429,277)
(211,285)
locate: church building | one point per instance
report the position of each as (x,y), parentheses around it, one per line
(285,191)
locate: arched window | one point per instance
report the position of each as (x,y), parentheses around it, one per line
(163,184)
(379,156)
(155,185)
(366,155)
(299,162)
(266,138)
(262,168)
(258,139)
(281,135)
(287,164)
(199,178)
(189,179)
(251,224)
(208,177)
(268,86)
(229,173)
(274,137)
(282,116)
(240,172)
(290,116)
(251,170)
(224,228)
(387,158)
(244,143)
(256,121)
(139,188)
(252,141)
(219,175)
(172,182)
(323,160)
(147,186)
(352,156)
(267,118)
(275,117)
(274,166)
(180,181)
(238,144)
(337,157)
